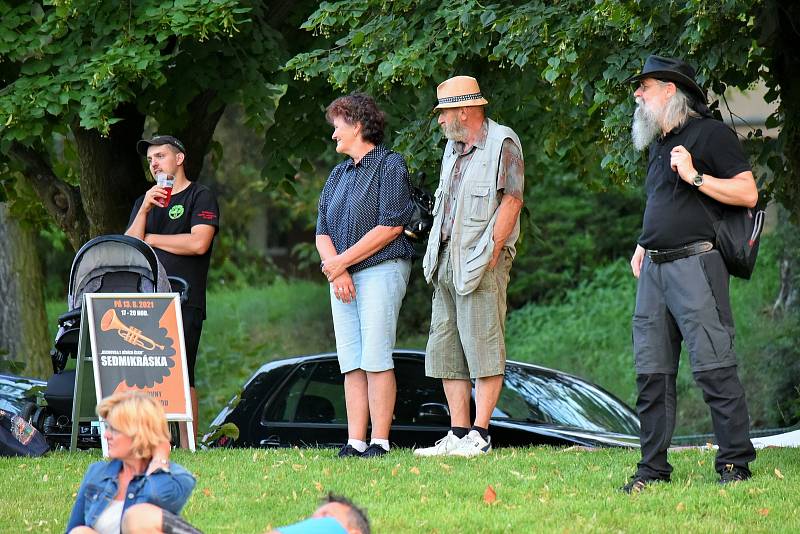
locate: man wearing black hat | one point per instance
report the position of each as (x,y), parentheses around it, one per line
(695,167)
(181,233)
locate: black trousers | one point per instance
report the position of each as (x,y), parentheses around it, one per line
(724,395)
(686,302)
(192,329)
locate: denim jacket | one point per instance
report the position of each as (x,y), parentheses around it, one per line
(166,489)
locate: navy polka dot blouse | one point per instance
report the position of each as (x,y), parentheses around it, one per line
(357,198)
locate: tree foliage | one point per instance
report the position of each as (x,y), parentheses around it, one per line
(82,80)
(552,70)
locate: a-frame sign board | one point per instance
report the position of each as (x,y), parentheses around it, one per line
(131,341)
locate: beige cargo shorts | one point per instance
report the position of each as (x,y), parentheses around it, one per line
(467,335)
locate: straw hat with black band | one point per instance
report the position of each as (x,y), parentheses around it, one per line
(459,92)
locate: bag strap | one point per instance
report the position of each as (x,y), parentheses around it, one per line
(759,214)
(691,140)
(383,160)
(382,164)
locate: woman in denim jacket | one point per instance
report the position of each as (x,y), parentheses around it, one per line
(139,482)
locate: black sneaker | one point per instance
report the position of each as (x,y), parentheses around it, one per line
(349,451)
(732,474)
(373,451)
(637,483)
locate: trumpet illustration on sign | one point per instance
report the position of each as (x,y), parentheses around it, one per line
(130,334)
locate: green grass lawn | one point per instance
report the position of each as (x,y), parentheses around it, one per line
(537,490)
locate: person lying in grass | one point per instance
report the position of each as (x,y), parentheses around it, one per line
(336,515)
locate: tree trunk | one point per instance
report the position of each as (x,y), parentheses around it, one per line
(111,172)
(205,113)
(113,175)
(781,38)
(61,200)
(788,298)
(23,322)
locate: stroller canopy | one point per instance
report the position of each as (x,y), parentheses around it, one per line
(111,254)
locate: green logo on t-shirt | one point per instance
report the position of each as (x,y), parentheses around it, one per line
(176,211)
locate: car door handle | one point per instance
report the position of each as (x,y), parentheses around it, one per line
(272,441)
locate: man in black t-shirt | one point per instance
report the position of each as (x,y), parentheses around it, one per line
(695,167)
(181,233)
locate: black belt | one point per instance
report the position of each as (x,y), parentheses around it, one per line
(672,254)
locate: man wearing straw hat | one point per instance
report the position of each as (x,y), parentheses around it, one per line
(468,259)
(696,167)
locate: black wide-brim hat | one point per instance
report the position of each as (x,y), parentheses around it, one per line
(674,70)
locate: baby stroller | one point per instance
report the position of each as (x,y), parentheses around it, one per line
(106,264)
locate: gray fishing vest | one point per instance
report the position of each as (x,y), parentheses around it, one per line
(471,243)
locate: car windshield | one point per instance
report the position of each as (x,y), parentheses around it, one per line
(13,393)
(532,396)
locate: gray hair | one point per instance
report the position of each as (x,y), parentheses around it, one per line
(678,109)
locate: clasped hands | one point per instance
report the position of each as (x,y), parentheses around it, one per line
(335,270)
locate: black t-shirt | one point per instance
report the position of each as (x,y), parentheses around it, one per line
(673,215)
(194,205)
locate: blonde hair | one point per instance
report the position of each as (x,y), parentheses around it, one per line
(137,416)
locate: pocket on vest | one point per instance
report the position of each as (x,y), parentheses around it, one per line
(479,204)
(478,256)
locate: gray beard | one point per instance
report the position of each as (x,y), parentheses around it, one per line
(455,131)
(645,126)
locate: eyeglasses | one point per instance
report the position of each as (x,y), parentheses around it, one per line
(113,431)
(645,86)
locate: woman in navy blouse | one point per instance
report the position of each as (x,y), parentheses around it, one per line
(367,260)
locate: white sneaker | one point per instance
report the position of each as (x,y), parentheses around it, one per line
(472,445)
(443,447)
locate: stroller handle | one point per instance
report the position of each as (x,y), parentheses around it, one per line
(180,285)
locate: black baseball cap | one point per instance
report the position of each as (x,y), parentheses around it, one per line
(158,140)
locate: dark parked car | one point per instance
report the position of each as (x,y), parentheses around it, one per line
(300,401)
(18,391)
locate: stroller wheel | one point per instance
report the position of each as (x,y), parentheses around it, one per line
(29,413)
(175,434)
(35,415)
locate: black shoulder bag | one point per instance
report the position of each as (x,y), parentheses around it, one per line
(419,226)
(738,232)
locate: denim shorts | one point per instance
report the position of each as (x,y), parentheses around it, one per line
(366,327)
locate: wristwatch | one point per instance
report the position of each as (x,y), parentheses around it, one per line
(697,180)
